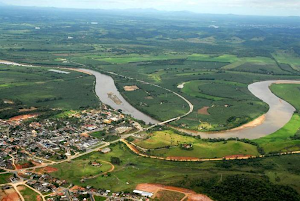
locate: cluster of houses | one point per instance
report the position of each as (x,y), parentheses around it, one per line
(58,138)
(32,142)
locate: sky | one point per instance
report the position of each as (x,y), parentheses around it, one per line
(240,7)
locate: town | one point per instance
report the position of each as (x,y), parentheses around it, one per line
(60,139)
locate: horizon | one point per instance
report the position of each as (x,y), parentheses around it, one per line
(277,8)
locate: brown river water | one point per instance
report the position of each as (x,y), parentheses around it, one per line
(280,112)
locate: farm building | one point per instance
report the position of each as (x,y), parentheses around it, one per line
(105,150)
(143,193)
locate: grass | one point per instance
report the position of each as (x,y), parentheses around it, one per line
(40,88)
(201,148)
(288,58)
(4,178)
(134,58)
(28,194)
(288,92)
(164,138)
(229,98)
(81,168)
(166,195)
(134,170)
(209,150)
(98,198)
(280,140)
(229,58)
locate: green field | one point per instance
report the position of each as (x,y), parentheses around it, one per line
(135,169)
(136,58)
(164,138)
(209,150)
(4,178)
(288,58)
(288,92)
(28,194)
(169,144)
(98,198)
(38,87)
(81,168)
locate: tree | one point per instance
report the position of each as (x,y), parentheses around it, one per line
(115,160)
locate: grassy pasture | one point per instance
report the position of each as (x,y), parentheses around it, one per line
(288,92)
(41,88)
(136,58)
(134,170)
(209,150)
(80,168)
(164,138)
(4,178)
(288,58)
(28,194)
(201,148)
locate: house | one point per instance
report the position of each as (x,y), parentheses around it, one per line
(96,164)
(105,150)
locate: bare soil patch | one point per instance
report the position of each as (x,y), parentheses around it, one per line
(239,156)
(8,101)
(38,198)
(204,111)
(166,195)
(158,190)
(48,169)
(149,98)
(131,88)
(23,117)
(198,197)
(85,135)
(25,165)
(9,195)
(181,158)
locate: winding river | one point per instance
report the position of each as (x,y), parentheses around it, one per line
(280,112)
(108,93)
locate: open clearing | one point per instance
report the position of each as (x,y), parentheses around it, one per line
(170,193)
(131,88)
(9,195)
(203,111)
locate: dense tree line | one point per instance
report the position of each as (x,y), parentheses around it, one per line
(241,187)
